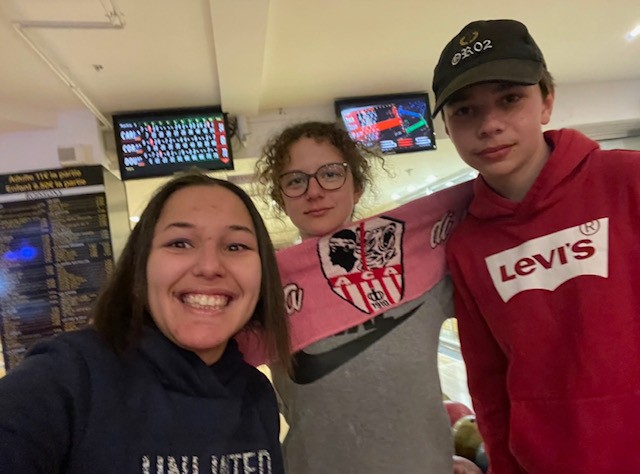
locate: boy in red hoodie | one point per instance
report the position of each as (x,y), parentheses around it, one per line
(545,265)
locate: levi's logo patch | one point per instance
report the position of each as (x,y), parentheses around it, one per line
(547,262)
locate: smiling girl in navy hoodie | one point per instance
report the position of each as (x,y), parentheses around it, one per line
(157,384)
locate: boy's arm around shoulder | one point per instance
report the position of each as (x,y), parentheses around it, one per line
(486,366)
(39,407)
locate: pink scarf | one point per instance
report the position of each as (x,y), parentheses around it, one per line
(338,281)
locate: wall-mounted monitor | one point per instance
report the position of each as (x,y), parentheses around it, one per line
(397,123)
(162,142)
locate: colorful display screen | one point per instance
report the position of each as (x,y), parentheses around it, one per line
(397,123)
(163,142)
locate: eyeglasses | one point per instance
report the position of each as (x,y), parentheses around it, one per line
(330,177)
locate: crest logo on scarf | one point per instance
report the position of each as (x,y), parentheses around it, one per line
(363,263)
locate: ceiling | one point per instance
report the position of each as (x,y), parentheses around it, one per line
(258,56)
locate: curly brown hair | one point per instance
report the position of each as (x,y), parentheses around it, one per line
(275,155)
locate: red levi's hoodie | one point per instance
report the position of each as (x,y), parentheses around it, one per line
(548,307)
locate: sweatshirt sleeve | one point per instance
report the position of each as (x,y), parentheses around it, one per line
(39,409)
(268,407)
(486,366)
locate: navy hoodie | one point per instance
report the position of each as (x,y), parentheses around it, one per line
(74,406)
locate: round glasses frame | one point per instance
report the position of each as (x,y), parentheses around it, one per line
(323,177)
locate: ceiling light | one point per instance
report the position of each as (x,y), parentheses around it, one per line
(134,218)
(395,196)
(432,178)
(633,33)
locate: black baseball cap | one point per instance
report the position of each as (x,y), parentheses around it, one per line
(487,51)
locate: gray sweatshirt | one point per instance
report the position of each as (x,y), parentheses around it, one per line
(368,401)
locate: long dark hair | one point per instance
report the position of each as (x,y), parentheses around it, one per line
(122,306)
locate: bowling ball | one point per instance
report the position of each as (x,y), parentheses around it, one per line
(481,460)
(456,410)
(466,437)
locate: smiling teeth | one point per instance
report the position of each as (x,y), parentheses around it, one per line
(206,301)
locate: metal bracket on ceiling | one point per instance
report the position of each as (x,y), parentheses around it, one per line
(115,21)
